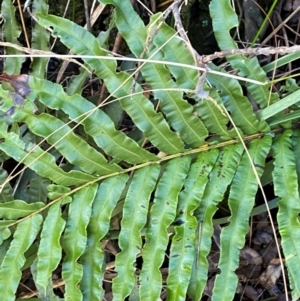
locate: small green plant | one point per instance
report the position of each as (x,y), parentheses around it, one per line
(81,170)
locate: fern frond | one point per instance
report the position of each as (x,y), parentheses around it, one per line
(40,40)
(86,173)
(138,107)
(17,208)
(50,251)
(39,161)
(96,123)
(224,19)
(239,106)
(241,201)
(134,219)
(14,259)
(92,260)
(182,253)
(175,108)
(175,51)
(162,214)
(11,31)
(215,121)
(220,178)
(74,149)
(75,238)
(38,189)
(286,187)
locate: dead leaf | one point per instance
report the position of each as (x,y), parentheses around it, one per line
(269,277)
(251,255)
(262,236)
(19,84)
(252,293)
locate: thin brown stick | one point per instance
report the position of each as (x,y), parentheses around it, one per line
(252,51)
(23,24)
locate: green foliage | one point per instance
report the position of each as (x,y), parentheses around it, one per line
(11,30)
(182,252)
(286,186)
(220,177)
(82,171)
(92,260)
(14,259)
(232,236)
(134,219)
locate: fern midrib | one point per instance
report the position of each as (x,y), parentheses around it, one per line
(138,166)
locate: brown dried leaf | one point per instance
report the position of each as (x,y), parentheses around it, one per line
(252,293)
(262,236)
(251,255)
(19,84)
(269,253)
(250,271)
(269,277)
